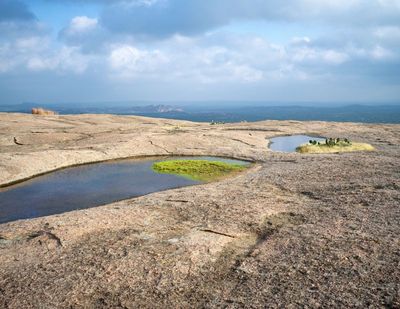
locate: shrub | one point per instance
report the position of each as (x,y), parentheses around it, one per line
(42,111)
(333,145)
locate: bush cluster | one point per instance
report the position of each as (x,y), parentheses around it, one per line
(213,123)
(330,142)
(42,111)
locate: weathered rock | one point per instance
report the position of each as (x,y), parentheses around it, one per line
(294,231)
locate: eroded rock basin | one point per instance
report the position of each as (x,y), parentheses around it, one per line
(290,143)
(89,186)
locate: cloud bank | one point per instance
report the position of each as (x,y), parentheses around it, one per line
(199,50)
(161,18)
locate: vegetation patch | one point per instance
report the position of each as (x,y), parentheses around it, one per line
(333,145)
(213,123)
(201,170)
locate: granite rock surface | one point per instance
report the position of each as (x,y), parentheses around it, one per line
(293,231)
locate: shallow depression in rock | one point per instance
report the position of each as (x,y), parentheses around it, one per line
(89,186)
(290,143)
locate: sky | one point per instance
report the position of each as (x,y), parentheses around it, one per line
(59,51)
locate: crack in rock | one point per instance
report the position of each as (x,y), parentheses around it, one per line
(45,233)
(167,151)
(240,141)
(16,142)
(218,233)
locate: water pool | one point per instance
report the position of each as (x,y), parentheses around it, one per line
(89,186)
(290,143)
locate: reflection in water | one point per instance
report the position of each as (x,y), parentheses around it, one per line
(290,143)
(88,186)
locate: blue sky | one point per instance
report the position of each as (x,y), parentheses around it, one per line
(55,51)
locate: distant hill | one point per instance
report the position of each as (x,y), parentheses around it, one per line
(81,109)
(225,113)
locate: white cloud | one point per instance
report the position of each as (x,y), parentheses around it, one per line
(334,57)
(300,40)
(311,54)
(128,61)
(81,24)
(67,59)
(245,73)
(208,64)
(381,53)
(388,34)
(14,53)
(217,58)
(32,44)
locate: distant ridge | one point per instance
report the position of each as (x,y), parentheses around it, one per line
(82,109)
(207,112)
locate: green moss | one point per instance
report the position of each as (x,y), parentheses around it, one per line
(338,147)
(201,170)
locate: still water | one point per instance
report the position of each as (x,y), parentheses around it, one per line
(89,186)
(290,143)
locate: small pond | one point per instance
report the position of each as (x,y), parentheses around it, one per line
(89,186)
(290,143)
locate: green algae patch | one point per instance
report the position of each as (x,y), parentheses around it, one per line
(200,170)
(338,147)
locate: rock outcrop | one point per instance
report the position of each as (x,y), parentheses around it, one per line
(295,230)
